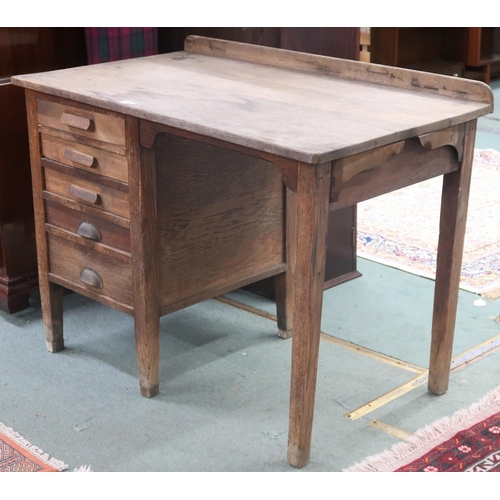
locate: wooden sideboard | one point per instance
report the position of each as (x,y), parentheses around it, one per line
(483,50)
(23,50)
(455,51)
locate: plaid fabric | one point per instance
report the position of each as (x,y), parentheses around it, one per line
(115,44)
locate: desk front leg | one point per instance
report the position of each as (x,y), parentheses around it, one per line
(313,190)
(143,239)
(51,295)
(454,204)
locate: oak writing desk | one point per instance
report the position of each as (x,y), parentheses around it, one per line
(162,181)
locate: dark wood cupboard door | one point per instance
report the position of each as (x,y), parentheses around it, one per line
(23,50)
(17,231)
(172,39)
(432,49)
(332,42)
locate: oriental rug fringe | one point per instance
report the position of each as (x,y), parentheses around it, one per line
(468,441)
(401,229)
(19,455)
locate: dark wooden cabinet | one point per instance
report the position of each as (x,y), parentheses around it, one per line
(18,274)
(23,50)
(458,51)
(483,51)
(172,39)
(334,42)
(433,49)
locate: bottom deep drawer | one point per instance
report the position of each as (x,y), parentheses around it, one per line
(90,270)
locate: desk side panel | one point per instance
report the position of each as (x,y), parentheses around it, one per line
(220,219)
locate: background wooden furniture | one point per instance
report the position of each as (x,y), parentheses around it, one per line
(463,52)
(218,185)
(438,50)
(483,50)
(344,42)
(23,50)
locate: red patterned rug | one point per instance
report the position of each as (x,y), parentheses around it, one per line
(17,455)
(468,441)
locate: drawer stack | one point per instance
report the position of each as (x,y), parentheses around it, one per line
(86,200)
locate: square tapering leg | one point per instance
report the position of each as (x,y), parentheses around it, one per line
(143,225)
(309,269)
(454,203)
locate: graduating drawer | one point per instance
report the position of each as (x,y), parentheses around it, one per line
(85,157)
(87,227)
(87,121)
(90,270)
(89,193)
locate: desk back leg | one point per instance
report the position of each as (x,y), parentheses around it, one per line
(284,282)
(313,191)
(454,204)
(143,239)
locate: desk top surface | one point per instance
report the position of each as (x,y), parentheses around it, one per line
(300,106)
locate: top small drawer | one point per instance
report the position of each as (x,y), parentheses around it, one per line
(97,125)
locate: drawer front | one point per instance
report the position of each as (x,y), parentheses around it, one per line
(89,193)
(91,159)
(82,121)
(87,226)
(90,269)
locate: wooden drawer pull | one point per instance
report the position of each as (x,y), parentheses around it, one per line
(90,277)
(88,230)
(78,157)
(84,194)
(76,121)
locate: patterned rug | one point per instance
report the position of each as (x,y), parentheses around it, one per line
(468,441)
(18,455)
(400,229)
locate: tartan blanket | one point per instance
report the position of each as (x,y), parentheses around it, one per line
(115,44)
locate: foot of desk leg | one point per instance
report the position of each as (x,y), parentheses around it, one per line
(54,346)
(147,336)
(308,283)
(298,457)
(151,392)
(285,334)
(51,296)
(449,261)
